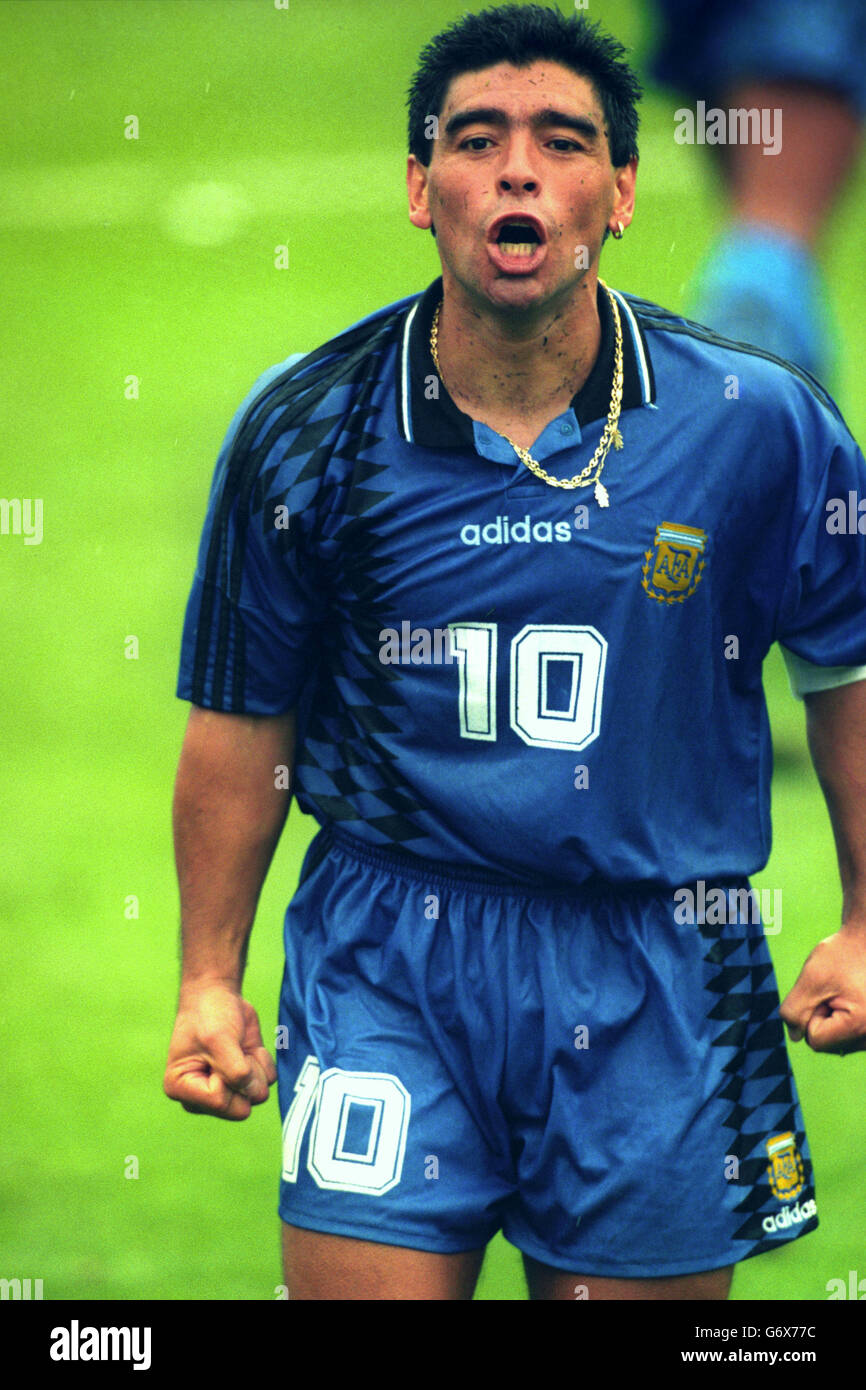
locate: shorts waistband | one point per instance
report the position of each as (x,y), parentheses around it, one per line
(435,871)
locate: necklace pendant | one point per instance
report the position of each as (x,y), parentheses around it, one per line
(610,434)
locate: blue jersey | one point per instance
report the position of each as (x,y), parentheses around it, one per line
(494,672)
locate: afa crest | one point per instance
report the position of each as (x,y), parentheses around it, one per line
(785,1169)
(673,570)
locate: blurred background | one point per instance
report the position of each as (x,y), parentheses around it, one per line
(141,300)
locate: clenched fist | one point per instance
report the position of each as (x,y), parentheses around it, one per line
(217,1063)
(827,1005)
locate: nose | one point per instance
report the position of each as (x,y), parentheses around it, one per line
(517,174)
(526,185)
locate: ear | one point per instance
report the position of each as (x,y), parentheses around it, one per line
(418,188)
(623,206)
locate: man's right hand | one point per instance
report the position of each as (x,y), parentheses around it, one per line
(217,1062)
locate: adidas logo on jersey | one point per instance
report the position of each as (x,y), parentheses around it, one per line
(503,531)
(789,1216)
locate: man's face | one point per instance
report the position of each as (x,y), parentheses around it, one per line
(520,186)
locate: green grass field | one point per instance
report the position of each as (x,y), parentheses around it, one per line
(153,258)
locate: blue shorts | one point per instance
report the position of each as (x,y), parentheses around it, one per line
(605,1083)
(708,48)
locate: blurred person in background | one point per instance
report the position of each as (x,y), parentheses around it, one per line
(761,281)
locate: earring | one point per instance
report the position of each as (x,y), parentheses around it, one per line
(619,231)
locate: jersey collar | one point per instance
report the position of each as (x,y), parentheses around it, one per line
(428,415)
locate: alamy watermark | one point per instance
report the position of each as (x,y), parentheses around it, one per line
(416,646)
(738,906)
(737,126)
(20,1289)
(22,516)
(846,518)
(854,1289)
(77,1343)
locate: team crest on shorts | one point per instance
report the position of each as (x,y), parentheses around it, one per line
(673,570)
(785,1169)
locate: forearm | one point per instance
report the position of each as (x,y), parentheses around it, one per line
(836,724)
(228,814)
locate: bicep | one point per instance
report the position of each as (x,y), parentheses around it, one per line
(240,756)
(836,726)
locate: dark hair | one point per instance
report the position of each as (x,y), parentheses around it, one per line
(521,34)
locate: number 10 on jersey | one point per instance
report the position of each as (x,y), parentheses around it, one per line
(573,724)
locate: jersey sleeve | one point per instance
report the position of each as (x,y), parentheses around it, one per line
(822,615)
(805,679)
(255,611)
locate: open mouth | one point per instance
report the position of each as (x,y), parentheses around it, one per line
(517,240)
(519,236)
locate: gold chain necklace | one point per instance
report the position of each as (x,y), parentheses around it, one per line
(610,435)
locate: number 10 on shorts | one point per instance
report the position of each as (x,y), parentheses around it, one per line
(358,1135)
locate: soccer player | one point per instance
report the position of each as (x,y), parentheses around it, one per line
(494,572)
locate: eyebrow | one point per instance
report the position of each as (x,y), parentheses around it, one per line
(494,115)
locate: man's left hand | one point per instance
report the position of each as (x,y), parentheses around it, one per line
(827,1005)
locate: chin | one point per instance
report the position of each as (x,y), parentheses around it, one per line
(524,292)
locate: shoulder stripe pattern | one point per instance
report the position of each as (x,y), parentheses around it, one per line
(352,359)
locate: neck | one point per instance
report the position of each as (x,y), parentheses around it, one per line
(508,364)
